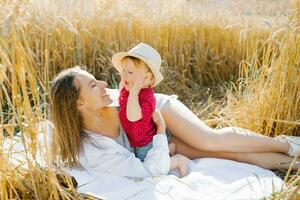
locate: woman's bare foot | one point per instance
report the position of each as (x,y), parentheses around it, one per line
(172,149)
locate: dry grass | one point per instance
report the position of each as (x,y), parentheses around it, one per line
(238,63)
(268,91)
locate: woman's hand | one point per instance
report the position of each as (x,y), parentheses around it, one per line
(159,121)
(181,163)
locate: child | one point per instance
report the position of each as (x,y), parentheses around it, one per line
(139,70)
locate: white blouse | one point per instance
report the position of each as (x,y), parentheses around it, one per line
(101,154)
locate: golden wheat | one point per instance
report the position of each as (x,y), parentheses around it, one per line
(205,51)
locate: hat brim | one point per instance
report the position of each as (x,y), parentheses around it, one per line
(118,57)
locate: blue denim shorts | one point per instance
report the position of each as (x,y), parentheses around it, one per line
(141,152)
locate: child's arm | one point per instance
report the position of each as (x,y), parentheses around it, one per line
(133,111)
(147,103)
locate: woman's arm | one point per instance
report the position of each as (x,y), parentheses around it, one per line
(120,161)
(105,155)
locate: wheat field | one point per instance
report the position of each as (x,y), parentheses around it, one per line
(237,62)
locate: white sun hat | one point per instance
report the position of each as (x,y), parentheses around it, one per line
(147,54)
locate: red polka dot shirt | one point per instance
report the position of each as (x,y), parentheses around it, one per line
(140,132)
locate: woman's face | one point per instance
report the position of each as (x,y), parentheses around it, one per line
(92,95)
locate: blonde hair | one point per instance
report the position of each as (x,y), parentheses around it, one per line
(138,63)
(67,120)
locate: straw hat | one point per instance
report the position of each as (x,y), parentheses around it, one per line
(147,54)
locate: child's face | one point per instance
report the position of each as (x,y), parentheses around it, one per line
(131,74)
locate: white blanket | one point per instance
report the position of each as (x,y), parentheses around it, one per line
(208,179)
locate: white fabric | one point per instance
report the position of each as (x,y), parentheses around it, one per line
(103,154)
(208,178)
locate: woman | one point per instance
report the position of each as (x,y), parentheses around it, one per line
(88,133)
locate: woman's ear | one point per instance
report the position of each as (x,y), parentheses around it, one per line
(80,105)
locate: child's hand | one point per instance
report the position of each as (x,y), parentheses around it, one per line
(136,87)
